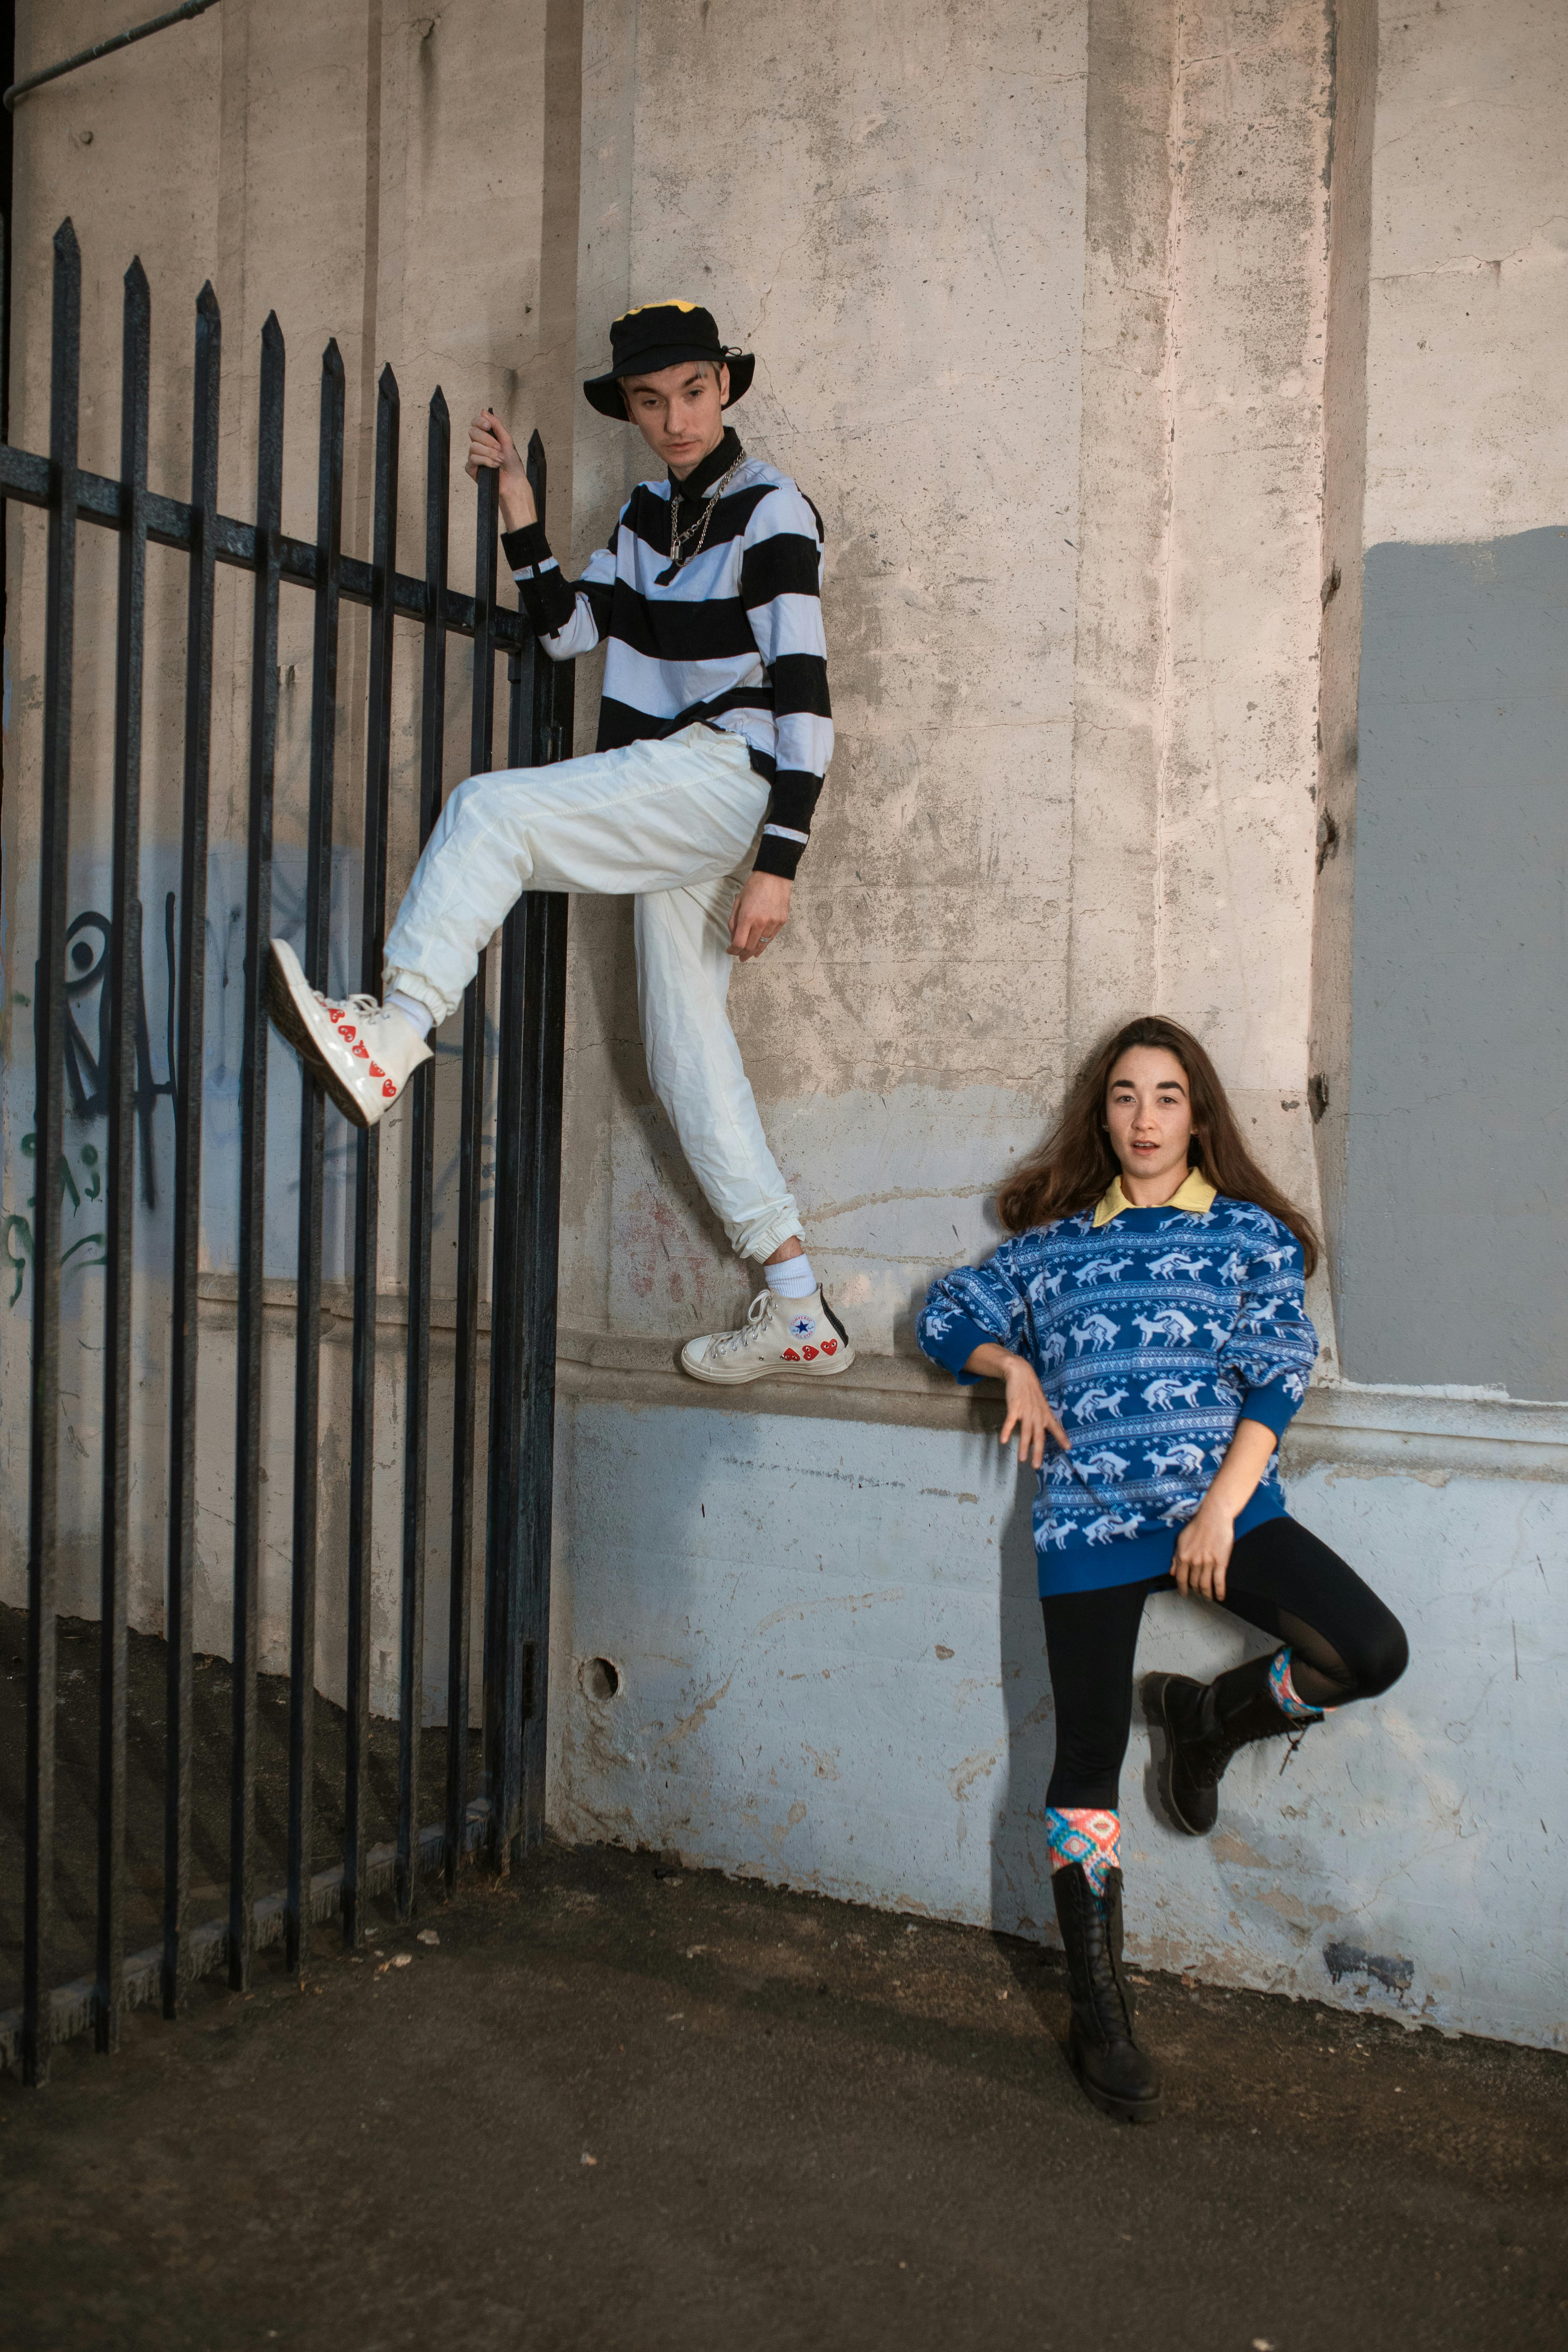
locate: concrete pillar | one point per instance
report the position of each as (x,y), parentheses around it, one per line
(1339,596)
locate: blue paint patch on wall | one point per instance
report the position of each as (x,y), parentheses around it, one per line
(1455,1245)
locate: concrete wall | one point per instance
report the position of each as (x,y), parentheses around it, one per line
(828,1664)
(830,1673)
(1096,331)
(1062,418)
(898,233)
(1340,601)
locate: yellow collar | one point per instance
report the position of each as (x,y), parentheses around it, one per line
(1197,1195)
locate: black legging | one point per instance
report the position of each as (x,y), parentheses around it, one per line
(1344,1643)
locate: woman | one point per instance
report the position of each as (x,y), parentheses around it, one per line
(1149,1325)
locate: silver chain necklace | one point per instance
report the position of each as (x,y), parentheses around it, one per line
(679,539)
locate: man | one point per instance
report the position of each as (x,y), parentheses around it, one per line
(714,736)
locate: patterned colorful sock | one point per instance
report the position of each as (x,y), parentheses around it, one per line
(1082,1834)
(1298,1709)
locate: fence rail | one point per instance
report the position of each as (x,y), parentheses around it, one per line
(171,523)
(508,1811)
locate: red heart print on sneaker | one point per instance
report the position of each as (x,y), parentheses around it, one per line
(830,1347)
(350,1044)
(789,1357)
(808,1353)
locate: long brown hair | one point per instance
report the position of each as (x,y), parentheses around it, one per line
(1075,1163)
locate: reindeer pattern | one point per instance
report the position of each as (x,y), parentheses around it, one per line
(1195,1315)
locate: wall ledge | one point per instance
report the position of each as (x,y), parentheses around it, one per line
(906,1391)
(1419,1431)
(1424,1432)
(1429,1432)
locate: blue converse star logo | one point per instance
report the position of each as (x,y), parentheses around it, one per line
(802,1326)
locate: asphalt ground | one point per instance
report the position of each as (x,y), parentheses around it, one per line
(616,2105)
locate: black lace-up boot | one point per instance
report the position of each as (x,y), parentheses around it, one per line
(1112,2071)
(1204,1724)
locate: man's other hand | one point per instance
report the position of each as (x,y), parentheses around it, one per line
(493,447)
(759,914)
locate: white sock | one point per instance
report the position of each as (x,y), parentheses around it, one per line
(792,1277)
(418,1018)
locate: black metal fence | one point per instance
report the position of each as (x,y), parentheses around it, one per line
(506,1813)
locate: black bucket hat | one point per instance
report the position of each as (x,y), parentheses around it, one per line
(659,335)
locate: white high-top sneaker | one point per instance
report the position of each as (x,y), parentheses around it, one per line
(364,1053)
(800,1337)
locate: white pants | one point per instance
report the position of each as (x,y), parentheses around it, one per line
(673,824)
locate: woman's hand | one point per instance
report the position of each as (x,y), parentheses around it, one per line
(493,447)
(1204,1549)
(1028,1411)
(1204,1546)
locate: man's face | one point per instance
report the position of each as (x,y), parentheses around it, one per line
(680,412)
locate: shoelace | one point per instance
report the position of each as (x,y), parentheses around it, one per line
(732,1340)
(1295,1739)
(364,1006)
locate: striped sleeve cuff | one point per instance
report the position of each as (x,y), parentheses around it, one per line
(779,852)
(788,828)
(546,597)
(526,547)
(796,796)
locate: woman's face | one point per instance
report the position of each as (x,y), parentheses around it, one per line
(1149,1113)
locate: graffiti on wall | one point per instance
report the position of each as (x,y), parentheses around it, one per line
(80,1174)
(89,943)
(17,1234)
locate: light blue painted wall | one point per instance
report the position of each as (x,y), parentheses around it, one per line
(832,1677)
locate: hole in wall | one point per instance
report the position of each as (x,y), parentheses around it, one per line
(600,1678)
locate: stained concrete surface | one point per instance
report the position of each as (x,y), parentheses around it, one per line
(809,2125)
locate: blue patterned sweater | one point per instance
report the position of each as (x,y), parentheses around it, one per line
(1153,1336)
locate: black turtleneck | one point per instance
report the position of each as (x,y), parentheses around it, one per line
(703,477)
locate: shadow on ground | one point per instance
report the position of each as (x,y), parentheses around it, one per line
(614,2108)
(212,1702)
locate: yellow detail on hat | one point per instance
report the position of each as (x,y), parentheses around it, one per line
(671,305)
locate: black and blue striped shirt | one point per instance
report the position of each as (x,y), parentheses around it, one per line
(734,636)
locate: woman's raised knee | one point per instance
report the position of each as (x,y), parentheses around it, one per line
(1381,1659)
